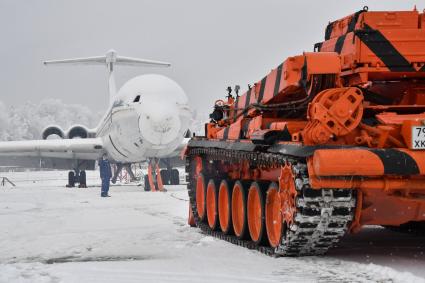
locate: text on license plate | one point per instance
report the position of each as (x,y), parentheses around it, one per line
(418,137)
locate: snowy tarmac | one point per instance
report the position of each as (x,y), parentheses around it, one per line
(49,233)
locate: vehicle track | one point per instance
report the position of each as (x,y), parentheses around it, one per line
(322,216)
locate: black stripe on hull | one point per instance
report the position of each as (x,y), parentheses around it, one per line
(397,162)
(226,133)
(262,87)
(247,99)
(339,44)
(236,106)
(384,50)
(328,31)
(353,21)
(277,82)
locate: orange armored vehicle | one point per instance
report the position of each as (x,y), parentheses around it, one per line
(326,143)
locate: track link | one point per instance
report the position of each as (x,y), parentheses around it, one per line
(321,219)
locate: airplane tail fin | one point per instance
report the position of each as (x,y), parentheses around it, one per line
(110,59)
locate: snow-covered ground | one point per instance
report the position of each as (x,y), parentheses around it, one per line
(49,233)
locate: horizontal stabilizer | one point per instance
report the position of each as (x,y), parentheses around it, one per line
(121,60)
(109,60)
(86,60)
(110,57)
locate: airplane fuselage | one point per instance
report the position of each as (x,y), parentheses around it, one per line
(148,118)
(147,121)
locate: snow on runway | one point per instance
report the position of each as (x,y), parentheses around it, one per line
(49,233)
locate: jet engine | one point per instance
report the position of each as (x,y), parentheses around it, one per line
(53,130)
(78,131)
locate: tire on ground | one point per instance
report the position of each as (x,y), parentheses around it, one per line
(175,177)
(147,185)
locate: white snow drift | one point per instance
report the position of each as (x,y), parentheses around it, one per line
(53,234)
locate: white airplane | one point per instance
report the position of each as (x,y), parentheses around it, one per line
(147,120)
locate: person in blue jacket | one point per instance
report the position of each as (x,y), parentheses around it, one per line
(105,175)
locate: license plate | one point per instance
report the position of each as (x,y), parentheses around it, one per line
(418,137)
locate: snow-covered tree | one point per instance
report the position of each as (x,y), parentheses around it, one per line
(27,121)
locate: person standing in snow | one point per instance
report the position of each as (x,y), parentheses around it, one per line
(105,175)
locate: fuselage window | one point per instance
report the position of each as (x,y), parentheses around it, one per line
(137,99)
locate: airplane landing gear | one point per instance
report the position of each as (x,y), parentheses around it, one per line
(147,185)
(156,178)
(71,179)
(82,179)
(170,176)
(127,167)
(175,177)
(165,176)
(77,176)
(153,180)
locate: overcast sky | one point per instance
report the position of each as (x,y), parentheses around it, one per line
(211,44)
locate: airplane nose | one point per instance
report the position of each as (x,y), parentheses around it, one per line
(163,125)
(160,124)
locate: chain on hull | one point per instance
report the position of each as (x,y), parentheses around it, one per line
(322,216)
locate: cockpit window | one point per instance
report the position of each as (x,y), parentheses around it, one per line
(137,99)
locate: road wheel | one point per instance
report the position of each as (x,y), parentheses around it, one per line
(212,205)
(239,211)
(225,207)
(256,214)
(200,196)
(273,215)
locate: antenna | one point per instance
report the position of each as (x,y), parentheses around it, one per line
(110,59)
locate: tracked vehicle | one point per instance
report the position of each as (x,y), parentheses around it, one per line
(324,144)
